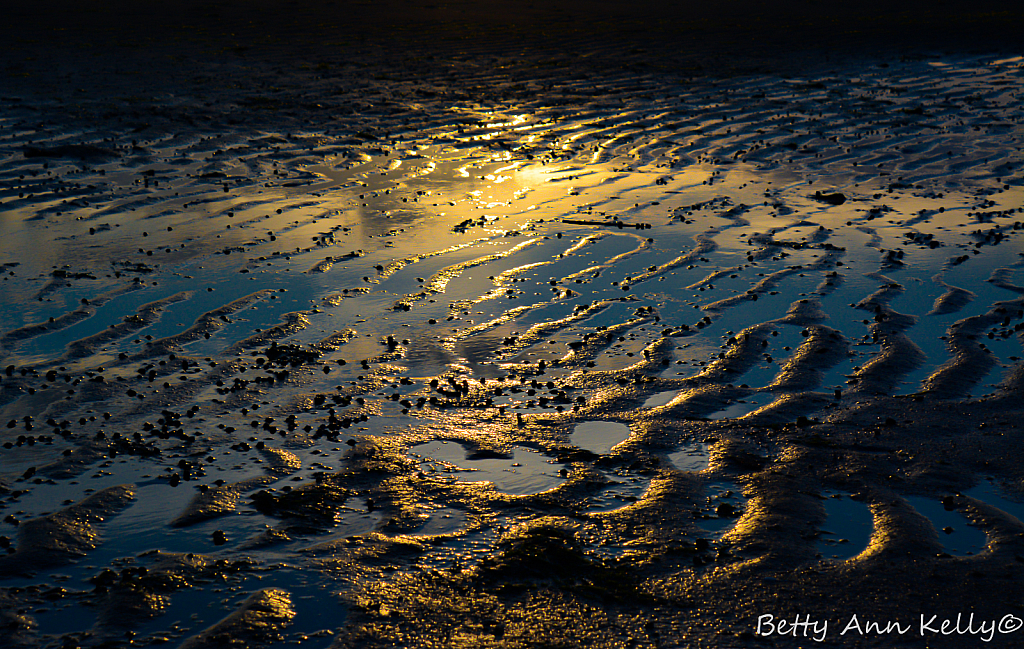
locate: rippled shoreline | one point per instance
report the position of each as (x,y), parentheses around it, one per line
(509,354)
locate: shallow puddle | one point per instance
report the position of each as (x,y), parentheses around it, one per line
(660,399)
(526,472)
(847,528)
(990,493)
(692,457)
(599,437)
(744,406)
(956,534)
(721,508)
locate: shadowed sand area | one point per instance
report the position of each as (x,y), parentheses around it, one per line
(511,324)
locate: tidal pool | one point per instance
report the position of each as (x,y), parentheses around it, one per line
(847,528)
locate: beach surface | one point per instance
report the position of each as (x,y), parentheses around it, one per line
(511,325)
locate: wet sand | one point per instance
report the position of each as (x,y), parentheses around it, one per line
(416,325)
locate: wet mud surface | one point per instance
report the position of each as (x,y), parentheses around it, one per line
(505,348)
